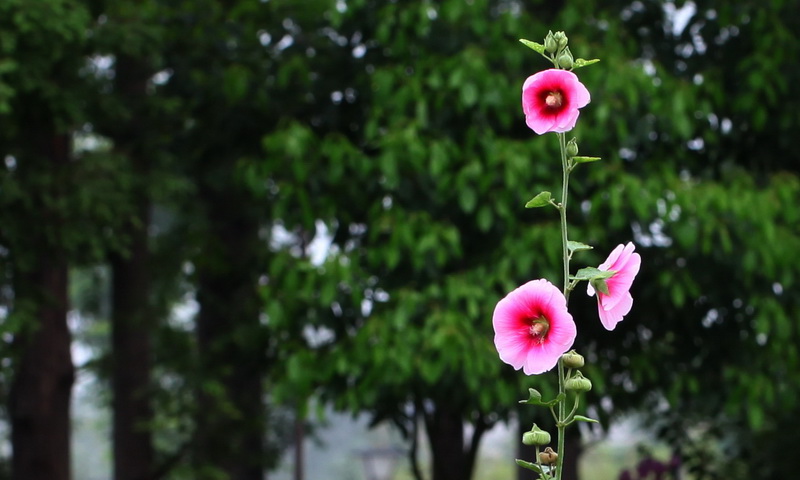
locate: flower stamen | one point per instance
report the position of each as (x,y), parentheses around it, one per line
(554,99)
(539,329)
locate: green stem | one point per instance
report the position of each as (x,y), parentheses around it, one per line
(571,417)
(562,417)
(560,424)
(562,142)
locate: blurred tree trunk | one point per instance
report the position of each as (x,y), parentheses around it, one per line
(230,417)
(299,452)
(131,315)
(574,449)
(453,458)
(39,400)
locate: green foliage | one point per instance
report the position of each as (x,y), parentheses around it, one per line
(448,164)
(396,128)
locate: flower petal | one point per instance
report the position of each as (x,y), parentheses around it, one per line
(540,124)
(537,88)
(614,306)
(512,326)
(611,317)
(566,121)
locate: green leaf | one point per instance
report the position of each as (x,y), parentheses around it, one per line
(484,218)
(469,94)
(468,199)
(533,394)
(535,398)
(579,62)
(576,246)
(529,465)
(581,418)
(539,200)
(586,159)
(591,273)
(536,47)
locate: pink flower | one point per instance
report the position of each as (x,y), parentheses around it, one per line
(618,302)
(532,327)
(551,99)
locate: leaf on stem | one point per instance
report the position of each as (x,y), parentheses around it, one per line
(581,418)
(537,47)
(529,465)
(592,273)
(579,62)
(535,398)
(575,246)
(586,159)
(539,200)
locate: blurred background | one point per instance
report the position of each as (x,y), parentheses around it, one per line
(248,239)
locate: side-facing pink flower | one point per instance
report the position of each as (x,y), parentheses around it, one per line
(532,327)
(614,306)
(551,99)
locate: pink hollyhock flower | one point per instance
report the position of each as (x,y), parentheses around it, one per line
(614,306)
(532,327)
(551,99)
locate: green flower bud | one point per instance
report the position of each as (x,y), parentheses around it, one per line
(561,40)
(565,60)
(578,383)
(550,44)
(548,457)
(536,436)
(572,150)
(572,359)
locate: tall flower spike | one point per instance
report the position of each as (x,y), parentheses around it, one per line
(614,306)
(551,99)
(532,327)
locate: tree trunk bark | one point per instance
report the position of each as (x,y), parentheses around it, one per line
(453,457)
(131,364)
(299,447)
(131,315)
(230,422)
(574,448)
(39,400)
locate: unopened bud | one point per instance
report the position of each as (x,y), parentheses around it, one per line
(548,457)
(550,44)
(572,150)
(536,436)
(572,359)
(561,40)
(565,60)
(578,383)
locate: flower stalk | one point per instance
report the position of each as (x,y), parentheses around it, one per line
(561,423)
(533,327)
(562,208)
